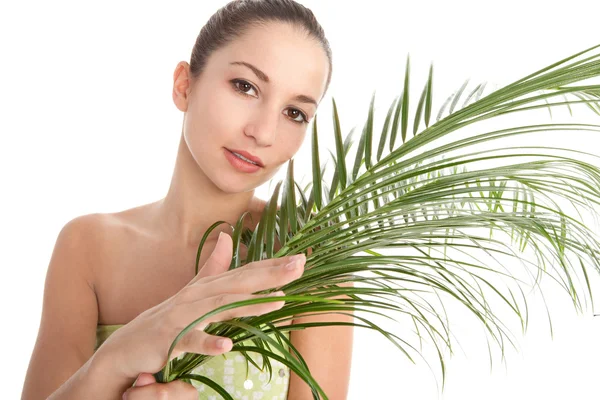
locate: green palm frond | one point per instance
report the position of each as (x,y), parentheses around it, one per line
(440,219)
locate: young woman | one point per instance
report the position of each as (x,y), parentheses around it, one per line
(121,286)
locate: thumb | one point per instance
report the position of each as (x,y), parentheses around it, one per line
(219,260)
(144,379)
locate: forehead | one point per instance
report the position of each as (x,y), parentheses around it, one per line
(291,59)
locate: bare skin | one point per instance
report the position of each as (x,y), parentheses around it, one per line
(135,248)
(140,257)
(163,236)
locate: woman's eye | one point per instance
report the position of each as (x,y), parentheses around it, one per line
(297,114)
(243,87)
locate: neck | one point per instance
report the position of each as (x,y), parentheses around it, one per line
(193,203)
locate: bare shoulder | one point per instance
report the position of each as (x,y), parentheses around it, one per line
(87,232)
(91,238)
(84,229)
(100,228)
(83,234)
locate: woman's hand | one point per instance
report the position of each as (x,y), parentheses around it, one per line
(146,388)
(142,345)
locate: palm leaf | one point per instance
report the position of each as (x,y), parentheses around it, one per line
(395,123)
(340,151)
(435,221)
(369,134)
(429,97)
(317,193)
(405,97)
(384,131)
(360,155)
(272,221)
(289,202)
(204,237)
(237,238)
(419,111)
(335,180)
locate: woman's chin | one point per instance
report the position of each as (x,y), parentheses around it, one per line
(236,184)
(230,180)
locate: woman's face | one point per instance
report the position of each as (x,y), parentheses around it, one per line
(255,96)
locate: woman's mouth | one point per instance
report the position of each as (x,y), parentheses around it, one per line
(243,158)
(240,162)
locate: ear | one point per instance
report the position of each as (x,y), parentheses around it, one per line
(182,85)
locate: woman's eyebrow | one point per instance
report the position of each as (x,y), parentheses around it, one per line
(263,77)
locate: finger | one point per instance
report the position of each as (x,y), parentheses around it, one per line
(273,262)
(144,379)
(200,342)
(261,266)
(219,260)
(157,391)
(188,312)
(248,281)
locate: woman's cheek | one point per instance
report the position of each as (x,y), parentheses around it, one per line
(294,147)
(220,104)
(291,141)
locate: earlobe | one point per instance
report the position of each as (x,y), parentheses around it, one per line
(181,86)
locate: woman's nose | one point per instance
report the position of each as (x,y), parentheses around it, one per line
(263,129)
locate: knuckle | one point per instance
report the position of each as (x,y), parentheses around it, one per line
(220,300)
(185,341)
(168,322)
(241,275)
(185,295)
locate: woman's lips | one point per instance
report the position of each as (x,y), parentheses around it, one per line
(240,164)
(249,156)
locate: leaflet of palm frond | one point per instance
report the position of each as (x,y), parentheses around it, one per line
(369,135)
(405,101)
(237,237)
(386,127)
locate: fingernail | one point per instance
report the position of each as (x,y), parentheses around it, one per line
(221,343)
(292,265)
(219,238)
(125,395)
(278,293)
(297,257)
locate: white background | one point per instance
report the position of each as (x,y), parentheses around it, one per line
(87,125)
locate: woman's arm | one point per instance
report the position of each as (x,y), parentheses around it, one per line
(95,380)
(63,364)
(328,353)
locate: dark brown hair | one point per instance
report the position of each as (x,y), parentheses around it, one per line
(235,18)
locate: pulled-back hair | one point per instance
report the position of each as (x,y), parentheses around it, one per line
(235,18)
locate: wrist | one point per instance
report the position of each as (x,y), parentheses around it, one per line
(95,380)
(111,357)
(104,375)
